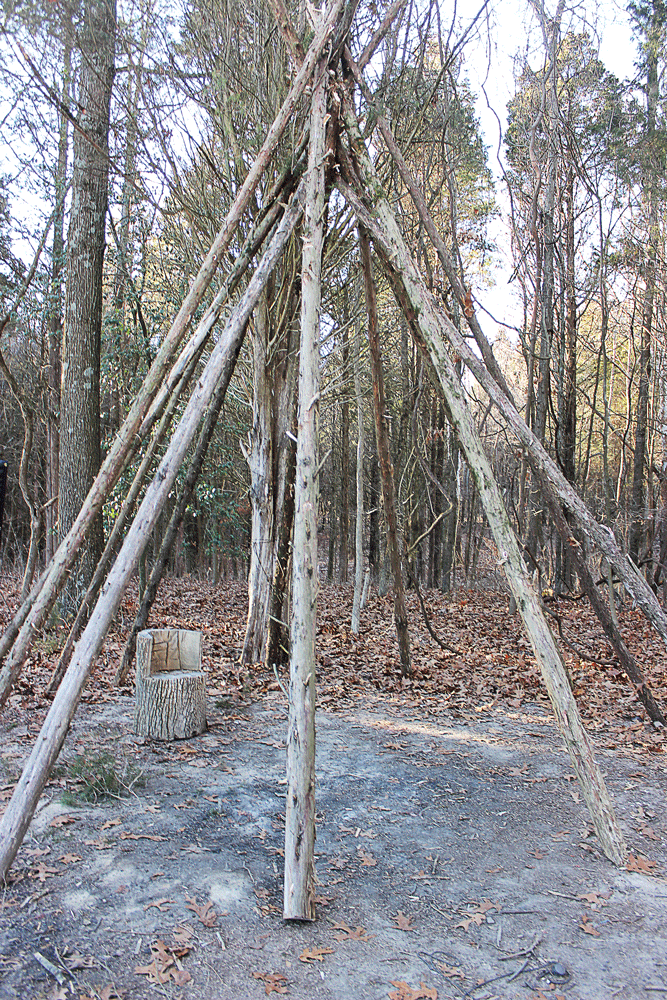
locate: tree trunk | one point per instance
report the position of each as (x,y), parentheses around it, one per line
(359,525)
(55,313)
(343,557)
(258,455)
(284,457)
(386,467)
(80,385)
(299,884)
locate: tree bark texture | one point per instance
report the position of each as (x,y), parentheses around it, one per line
(170,693)
(299,884)
(22,805)
(258,455)
(429,326)
(55,311)
(82,335)
(386,467)
(359,524)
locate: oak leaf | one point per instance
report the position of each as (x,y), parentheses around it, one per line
(154,975)
(638,863)
(451,971)
(405,992)
(587,927)
(274,982)
(311,955)
(63,820)
(346,933)
(42,872)
(160,904)
(205,911)
(403,922)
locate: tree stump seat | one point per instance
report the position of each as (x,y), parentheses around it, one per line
(170,693)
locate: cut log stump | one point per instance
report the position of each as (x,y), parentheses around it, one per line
(170,694)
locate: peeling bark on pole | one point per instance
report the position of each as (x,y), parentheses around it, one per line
(22,805)
(44,595)
(429,326)
(300,806)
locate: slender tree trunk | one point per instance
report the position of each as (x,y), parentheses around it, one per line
(359,526)
(651,196)
(55,315)
(299,885)
(80,385)
(258,455)
(343,557)
(386,467)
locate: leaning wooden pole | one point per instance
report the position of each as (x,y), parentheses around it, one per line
(166,548)
(22,805)
(117,532)
(43,597)
(428,326)
(299,886)
(386,466)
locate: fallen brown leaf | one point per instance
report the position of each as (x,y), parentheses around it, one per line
(141,836)
(160,904)
(403,922)
(346,933)
(64,820)
(205,911)
(274,982)
(587,927)
(451,971)
(315,954)
(638,863)
(405,992)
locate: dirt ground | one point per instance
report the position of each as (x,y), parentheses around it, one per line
(454,858)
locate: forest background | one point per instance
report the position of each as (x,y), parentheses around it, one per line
(189,95)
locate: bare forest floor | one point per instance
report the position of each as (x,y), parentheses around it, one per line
(455,858)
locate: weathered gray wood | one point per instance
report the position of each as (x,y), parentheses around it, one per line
(21,807)
(428,325)
(170,692)
(299,885)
